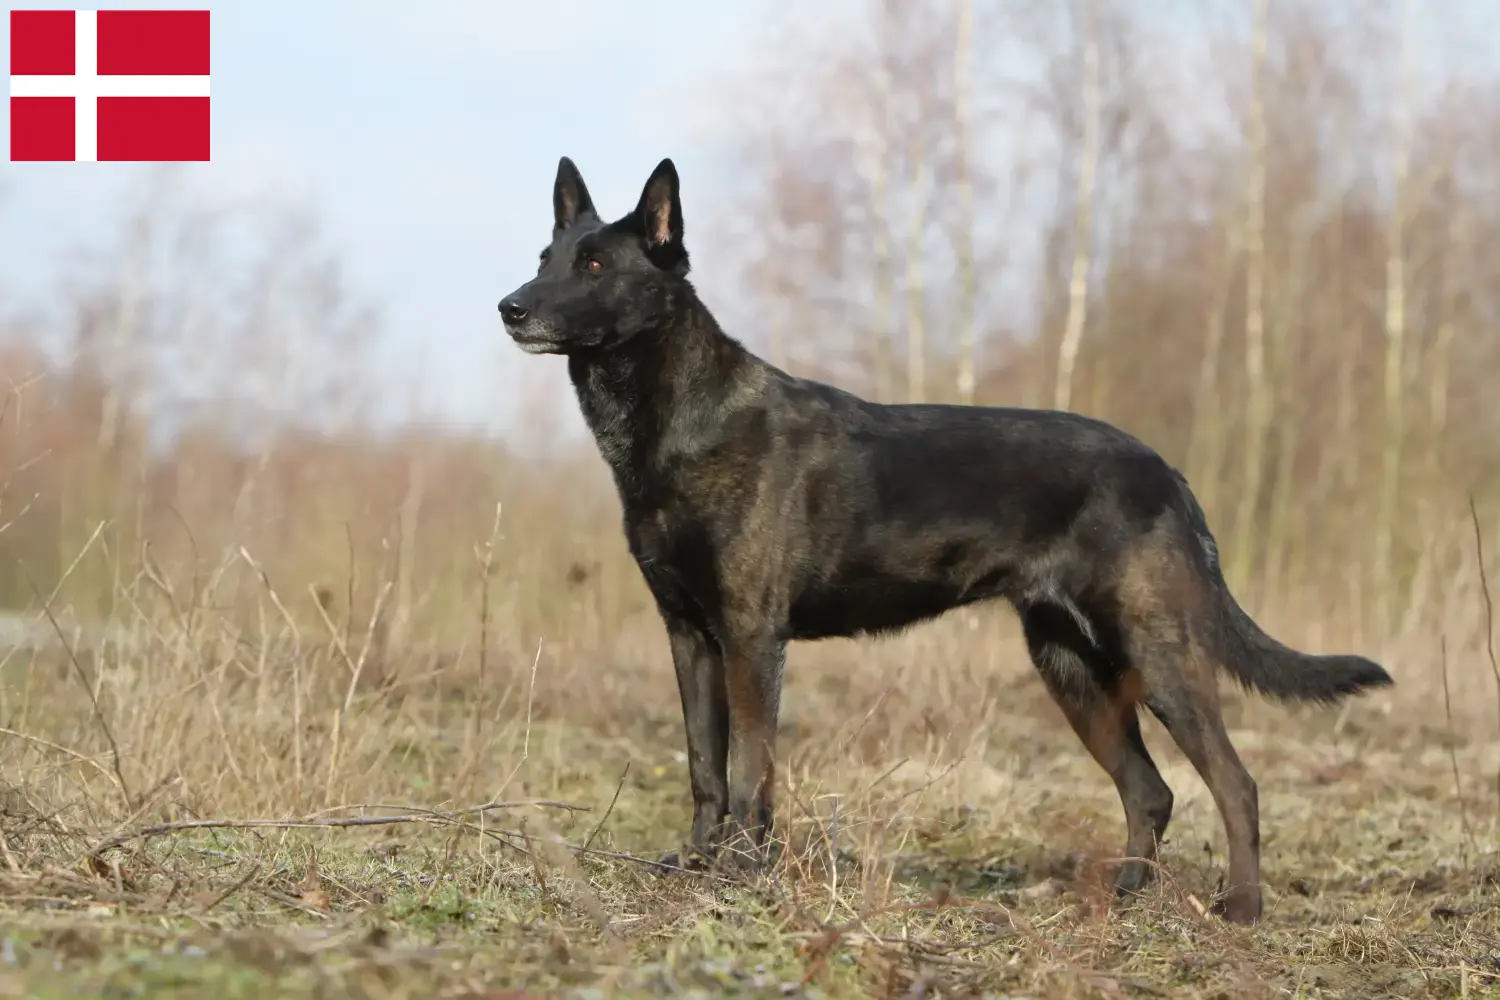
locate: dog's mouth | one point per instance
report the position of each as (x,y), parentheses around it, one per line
(533,340)
(537,345)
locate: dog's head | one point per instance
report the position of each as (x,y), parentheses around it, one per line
(601,284)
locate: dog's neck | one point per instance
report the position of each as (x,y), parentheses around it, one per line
(655,400)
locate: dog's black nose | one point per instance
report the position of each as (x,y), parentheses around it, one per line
(512,310)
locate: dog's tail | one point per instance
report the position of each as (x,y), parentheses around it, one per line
(1261,663)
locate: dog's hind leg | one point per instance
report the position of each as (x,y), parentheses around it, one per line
(1162,624)
(1183,697)
(1100,704)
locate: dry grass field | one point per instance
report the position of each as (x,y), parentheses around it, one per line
(242,792)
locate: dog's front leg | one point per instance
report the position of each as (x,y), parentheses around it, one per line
(705,716)
(752,674)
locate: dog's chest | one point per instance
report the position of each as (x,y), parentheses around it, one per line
(665,534)
(677,554)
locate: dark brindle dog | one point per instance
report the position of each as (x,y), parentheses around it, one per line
(763,508)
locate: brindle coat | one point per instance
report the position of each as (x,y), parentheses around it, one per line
(763,508)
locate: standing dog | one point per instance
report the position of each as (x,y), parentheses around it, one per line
(763,508)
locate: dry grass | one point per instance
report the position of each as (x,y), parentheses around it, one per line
(946,834)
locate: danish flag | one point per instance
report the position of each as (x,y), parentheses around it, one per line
(109,85)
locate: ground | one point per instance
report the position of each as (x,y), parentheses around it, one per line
(946,836)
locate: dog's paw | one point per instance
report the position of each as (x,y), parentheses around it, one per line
(668,864)
(676,863)
(1243,907)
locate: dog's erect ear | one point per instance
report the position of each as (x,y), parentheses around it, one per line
(660,210)
(570,198)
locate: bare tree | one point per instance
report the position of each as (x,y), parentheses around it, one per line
(1083,209)
(1206,443)
(916,305)
(964,225)
(1395,314)
(1258,399)
(884,263)
(1457,249)
(867,88)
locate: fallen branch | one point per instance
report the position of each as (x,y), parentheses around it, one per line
(327,822)
(657,867)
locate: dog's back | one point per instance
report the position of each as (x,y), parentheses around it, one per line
(900,512)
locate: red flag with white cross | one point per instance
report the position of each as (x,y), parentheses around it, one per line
(109,85)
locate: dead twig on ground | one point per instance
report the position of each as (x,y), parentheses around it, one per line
(413,816)
(589,841)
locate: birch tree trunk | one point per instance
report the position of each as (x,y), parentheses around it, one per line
(916,313)
(1395,330)
(1083,219)
(1258,400)
(964,228)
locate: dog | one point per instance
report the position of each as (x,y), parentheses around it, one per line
(763,508)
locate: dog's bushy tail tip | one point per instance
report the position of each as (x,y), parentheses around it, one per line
(1322,679)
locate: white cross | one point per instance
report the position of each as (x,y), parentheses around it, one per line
(86,86)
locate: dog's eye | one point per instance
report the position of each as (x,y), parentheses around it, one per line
(594,264)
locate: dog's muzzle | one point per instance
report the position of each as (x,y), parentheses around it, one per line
(531,336)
